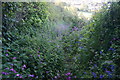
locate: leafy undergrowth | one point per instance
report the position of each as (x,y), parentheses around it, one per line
(34,48)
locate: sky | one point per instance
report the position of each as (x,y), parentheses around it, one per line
(80,1)
(72,1)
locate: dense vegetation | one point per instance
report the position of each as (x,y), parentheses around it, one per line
(34,47)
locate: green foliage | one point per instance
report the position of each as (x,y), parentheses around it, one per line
(23,39)
(32,47)
(100,40)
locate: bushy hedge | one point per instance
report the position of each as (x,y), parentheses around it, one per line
(101,40)
(28,50)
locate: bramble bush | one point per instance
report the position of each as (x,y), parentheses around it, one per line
(29,48)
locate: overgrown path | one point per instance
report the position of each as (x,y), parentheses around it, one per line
(63,28)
